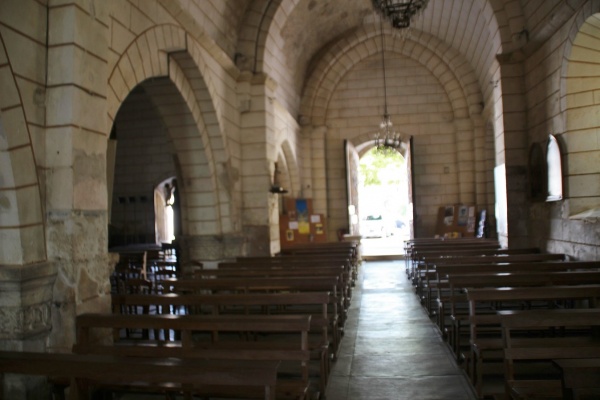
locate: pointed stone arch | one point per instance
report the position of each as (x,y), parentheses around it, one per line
(253,35)
(167,51)
(578,121)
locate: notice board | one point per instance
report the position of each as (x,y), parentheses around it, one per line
(456,220)
(299,224)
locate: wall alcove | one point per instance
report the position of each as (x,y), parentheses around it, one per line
(545,171)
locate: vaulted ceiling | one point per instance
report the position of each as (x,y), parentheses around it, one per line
(304,30)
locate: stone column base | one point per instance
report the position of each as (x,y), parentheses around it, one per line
(26,321)
(210,248)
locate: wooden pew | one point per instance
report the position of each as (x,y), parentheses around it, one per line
(437,281)
(428,265)
(505,298)
(546,336)
(462,244)
(86,371)
(348,255)
(455,300)
(331,284)
(421,243)
(325,249)
(212,338)
(252,284)
(580,377)
(294,261)
(421,258)
(496,259)
(320,306)
(288,272)
(311,248)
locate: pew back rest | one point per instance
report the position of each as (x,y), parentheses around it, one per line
(546,336)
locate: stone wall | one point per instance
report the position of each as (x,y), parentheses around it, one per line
(562,80)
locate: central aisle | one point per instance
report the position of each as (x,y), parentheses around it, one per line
(390,349)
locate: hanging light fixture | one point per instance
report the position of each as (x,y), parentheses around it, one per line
(386,138)
(400,12)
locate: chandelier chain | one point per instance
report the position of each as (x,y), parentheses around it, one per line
(385,108)
(400,13)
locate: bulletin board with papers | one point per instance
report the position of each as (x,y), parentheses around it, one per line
(456,220)
(299,224)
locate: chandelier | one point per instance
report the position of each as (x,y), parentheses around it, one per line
(400,12)
(386,139)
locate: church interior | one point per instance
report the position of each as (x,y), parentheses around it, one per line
(187,135)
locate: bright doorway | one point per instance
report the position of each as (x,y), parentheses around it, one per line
(384,207)
(164,211)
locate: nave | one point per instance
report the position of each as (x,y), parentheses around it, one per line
(391,349)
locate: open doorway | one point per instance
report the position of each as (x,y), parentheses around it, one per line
(164,210)
(384,208)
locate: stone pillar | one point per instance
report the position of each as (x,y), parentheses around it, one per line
(465,160)
(74,171)
(305,153)
(260,212)
(335,184)
(318,170)
(514,119)
(210,249)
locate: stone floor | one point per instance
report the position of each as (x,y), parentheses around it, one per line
(391,350)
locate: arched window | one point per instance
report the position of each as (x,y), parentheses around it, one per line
(545,171)
(554,168)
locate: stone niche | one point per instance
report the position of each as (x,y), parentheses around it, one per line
(26,320)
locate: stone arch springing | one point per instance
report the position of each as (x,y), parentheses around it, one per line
(291,165)
(22,239)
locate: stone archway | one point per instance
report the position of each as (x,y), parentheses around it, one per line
(578,139)
(201,149)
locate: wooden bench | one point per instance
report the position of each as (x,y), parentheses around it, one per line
(283,338)
(580,377)
(441,245)
(320,306)
(455,300)
(85,371)
(546,336)
(485,348)
(421,257)
(429,265)
(437,280)
(318,247)
(330,284)
(347,256)
(287,272)
(306,262)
